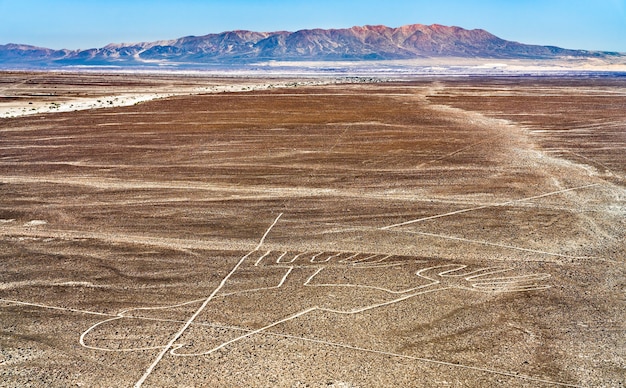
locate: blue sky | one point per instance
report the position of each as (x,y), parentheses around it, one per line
(73,24)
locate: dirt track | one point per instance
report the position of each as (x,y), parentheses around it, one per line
(427,233)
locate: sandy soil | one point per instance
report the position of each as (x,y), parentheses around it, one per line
(461,232)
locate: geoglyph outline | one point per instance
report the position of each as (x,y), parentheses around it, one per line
(479,280)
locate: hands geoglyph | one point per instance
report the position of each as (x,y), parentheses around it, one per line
(268,288)
(343,283)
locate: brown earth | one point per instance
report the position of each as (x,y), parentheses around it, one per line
(462,232)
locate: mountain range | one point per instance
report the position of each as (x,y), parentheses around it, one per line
(246,47)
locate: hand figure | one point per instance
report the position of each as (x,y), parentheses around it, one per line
(343,283)
(270,288)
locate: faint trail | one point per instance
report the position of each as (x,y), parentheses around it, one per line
(429,360)
(175,338)
(487,206)
(466,240)
(591,161)
(183,245)
(230,192)
(456,152)
(43,306)
(498,245)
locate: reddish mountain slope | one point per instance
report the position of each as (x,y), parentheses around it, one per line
(356,43)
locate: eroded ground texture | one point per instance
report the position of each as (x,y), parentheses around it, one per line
(431,233)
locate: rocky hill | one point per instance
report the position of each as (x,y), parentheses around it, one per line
(241,47)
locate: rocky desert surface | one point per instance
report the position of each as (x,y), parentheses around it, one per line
(434,232)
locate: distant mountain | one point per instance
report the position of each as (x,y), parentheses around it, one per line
(244,47)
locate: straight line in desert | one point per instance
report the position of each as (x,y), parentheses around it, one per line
(487,206)
(461,239)
(467,240)
(108,183)
(428,360)
(236,192)
(43,306)
(165,242)
(175,338)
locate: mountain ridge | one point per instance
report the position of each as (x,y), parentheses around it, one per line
(370,42)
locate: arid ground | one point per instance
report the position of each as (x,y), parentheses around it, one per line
(465,232)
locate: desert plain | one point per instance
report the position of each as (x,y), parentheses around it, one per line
(172,230)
